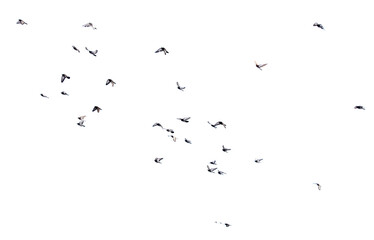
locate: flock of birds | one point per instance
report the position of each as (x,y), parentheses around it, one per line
(210,169)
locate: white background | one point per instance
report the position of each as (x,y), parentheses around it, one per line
(62,181)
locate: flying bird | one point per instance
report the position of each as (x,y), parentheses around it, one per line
(187,141)
(179,87)
(220,172)
(259,66)
(81,123)
(43,95)
(96,108)
(318,185)
(211,169)
(173,137)
(110,81)
(217,124)
(213,125)
(81,117)
(89,25)
(258,160)
(162,49)
(225,149)
(92,52)
(63,77)
(359,107)
(157,125)
(20,21)
(64,93)
(226,224)
(76,49)
(158,160)
(186,120)
(170,130)
(318,25)
(213,162)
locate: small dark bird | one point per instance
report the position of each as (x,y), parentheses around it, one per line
(187,141)
(64,93)
(220,123)
(170,130)
(96,108)
(186,120)
(220,172)
(318,185)
(213,125)
(225,149)
(43,95)
(226,224)
(179,87)
(318,25)
(359,107)
(89,25)
(158,160)
(173,137)
(211,169)
(63,77)
(157,125)
(81,117)
(162,49)
(259,66)
(110,81)
(258,160)
(213,162)
(76,49)
(20,21)
(92,52)
(81,123)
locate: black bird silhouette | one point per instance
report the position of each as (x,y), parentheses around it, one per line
(64,93)
(20,21)
(259,66)
(213,162)
(359,107)
(220,172)
(226,224)
(76,49)
(186,120)
(92,52)
(96,108)
(179,87)
(258,160)
(81,123)
(110,81)
(173,137)
(187,141)
(89,25)
(81,117)
(157,125)
(162,49)
(158,160)
(43,95)
(170,130)
(211,169)
(213,125)
(318,25)
(318,185)
(225,149)
(217,124)
(63,77)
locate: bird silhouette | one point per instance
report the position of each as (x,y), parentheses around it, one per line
(162,49)
(213,125)
(63,77)
(226,224)
(359,107)
(81,117)
(213,162)
(157,125)
(96,108)
(318,185)
(158,160)
(89,25)
(187,141)
(186,120)
(211,169)
(92,52)
(110,81)
(220,172)
(180,88)
(43,95)
(170,130)
(20,21)
(258,160)
(76,49)
(64,93)
(318,25)
(173,137)
(225,149)
(259,66)
(81,123)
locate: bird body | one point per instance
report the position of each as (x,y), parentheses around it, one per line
(92,52)
(225,149)
(96,108)
(220,172)
(211,169)
(162,49)
(186,120)
(180,88)
(259,66)
(318,25)
(81,123)
(63,77)
(20,21)
(318,185)
(64,93)
(110,81)
(157,125)
(158,160)
(43,95)
(170,130)
(81,117)
(89,25)
(213,162)
(76,49)
(359,107)
(187,141)
(258,160)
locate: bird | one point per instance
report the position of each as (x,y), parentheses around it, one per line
(226,224)
(64,93)
(76,49)
(92,52)
(359,107)
(81,123)
(259,66)
(211,169)
(220,172)
(158,160)
(110,81)
(258,160)
(213,162)
(173,137)
(179,87)
(81,117)
(89,25)
(157,125)
(225,149)
(170,130)
(162,49)
(318,185)
(186,120)
(43,95)
(187,141)
(96,108)
(318,25)
(20,21)
(213,125)
(63,77)
(217,124)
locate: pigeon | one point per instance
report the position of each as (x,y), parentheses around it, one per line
(179,87)
(110,81)
(81,123)
(63,77)
(81,117)
(173,137)
(258,160)
(186,120)
(158,160)
(170,130)
(318,25)
(259,66)
(64,93)
(359,107)
(76,49)
(162,49)
(220,172)
(318,185)
(89,25)
(92,52)
(187,141)
(43,95)
(211,169)
(157,125)
(213,162)
(96,108)
(225,149)
(20,21)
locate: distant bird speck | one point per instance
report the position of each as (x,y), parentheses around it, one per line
(220,172)
(157,125)
(20,21)
(158,160)
(186,119)
(173,137)
(81,117)
(318,25)
(162,49)
(213,162)
(89,25)
(76,49)
(64,93)
(81,123)
(258,160)
(187,141)
(318,185)
(170,130)
(225,149)
(43,95)
(259,66)
(359,107)
(63,77)
(92,52)
(211,169)
(180,88)
(96,108)
(110,81)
